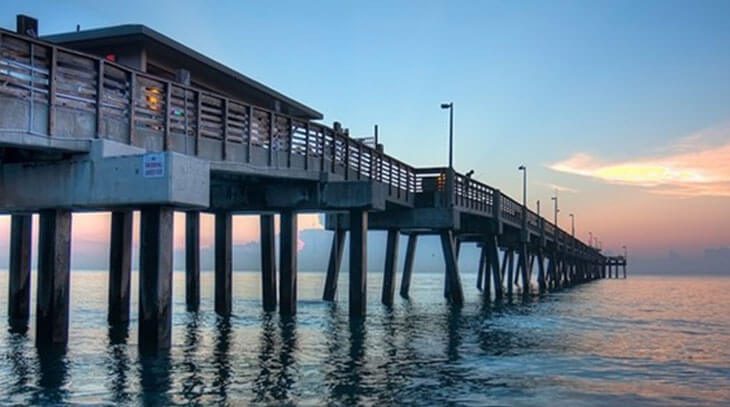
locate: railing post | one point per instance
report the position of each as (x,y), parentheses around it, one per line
(99,97)
(224,153)
(290,144)
(198,121)
(166,134)
(347,158)
(272,125)
(306,147)
(52,92)
(132,102)
(249,132)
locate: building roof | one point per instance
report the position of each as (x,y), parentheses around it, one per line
(164,47)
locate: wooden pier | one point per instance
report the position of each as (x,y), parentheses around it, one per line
(82,133)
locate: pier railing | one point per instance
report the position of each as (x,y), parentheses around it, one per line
(433,185)
(53,91)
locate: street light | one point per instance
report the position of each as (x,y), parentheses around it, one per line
(524,184)
(626,252)
(538,208)
(450,106)
(555,201)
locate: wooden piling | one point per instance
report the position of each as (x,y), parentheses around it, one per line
(455,294)
(288,263)
(155,278)
(223,263)
(192,260)
(510,271)
(541,271)
(334,265)
(54,255)
(391,262)
(358,262)
(120,267)
(19,271)
(408,265)
(493,255)
(268,262)
(524,263)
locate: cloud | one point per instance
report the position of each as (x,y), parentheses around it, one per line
(702,172)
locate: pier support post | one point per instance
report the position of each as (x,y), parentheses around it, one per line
(54,259)
(268,262)
(358,262)
(223,263)
(335,263)
(155,278)
(510,271)
(288,263)
(120,267)
(455,295)
(541,271)
(493,262)
(391,262)
(192,260)
(19,270)
(481,267)
(405,284)
(524,264)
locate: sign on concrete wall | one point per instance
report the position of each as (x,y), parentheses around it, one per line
(153,165)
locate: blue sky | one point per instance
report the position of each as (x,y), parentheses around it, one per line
(535,82)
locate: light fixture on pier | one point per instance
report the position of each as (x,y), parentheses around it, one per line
(450,106)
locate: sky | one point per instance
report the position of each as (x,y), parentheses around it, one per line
(622,106)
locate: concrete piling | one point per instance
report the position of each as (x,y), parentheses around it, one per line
(155,278)
(54,260)
(19,270)
(288,263)
(335,263)
(455,295)
(120,267)
(268,262)
(358,262)
(405,285)
(223,263)
(391,262)
(192,260)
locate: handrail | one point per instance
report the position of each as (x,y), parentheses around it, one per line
(97,98)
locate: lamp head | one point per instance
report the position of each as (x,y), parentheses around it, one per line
(446,105)
(522,168)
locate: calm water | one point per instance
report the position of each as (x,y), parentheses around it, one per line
(646,340)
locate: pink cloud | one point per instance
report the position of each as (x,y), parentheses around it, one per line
(703,172)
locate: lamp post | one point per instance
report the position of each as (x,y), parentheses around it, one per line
(523,168)
(450,106)
(538,208)
(555,202)
(626,252)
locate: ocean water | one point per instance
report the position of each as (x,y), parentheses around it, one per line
(642,341)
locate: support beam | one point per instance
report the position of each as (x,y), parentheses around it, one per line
(288,263)
(510,271)
(19,270)
(335,263)
(223,263)
(455,295)
(524,264)
(481,267)
(391,262)
(192,260)
(155,278)
(268,262)
(358,262)
(541,271)
(493,254)
(120,267)
(54,259)
(405,284)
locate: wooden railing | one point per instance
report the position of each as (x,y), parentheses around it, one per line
(56,92)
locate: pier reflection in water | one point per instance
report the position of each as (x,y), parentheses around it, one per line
(609,341)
